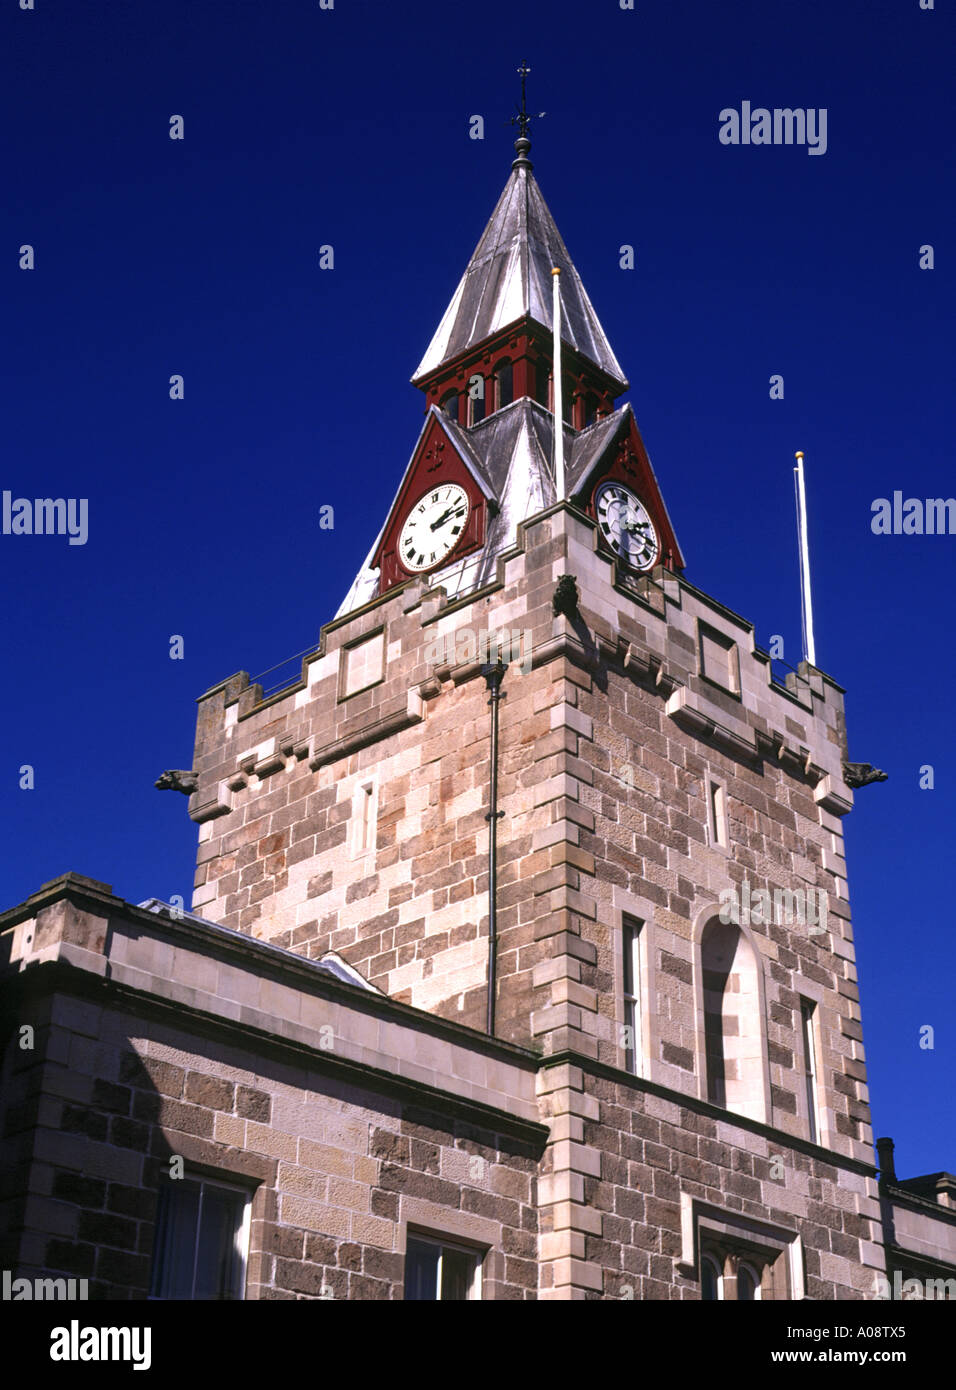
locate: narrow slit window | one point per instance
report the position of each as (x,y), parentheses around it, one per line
(364,812)
(633,1020)
(807,1010)
(718,814)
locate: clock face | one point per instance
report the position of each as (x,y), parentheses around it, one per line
(626,526)
(433,526)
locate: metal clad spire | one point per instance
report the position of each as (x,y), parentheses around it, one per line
(507,277)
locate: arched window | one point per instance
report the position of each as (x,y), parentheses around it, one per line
(542,384)
(748,1284)
(450,405)
(711,1283)
(733,1032)
(477,400)
(590,408)
(504,385)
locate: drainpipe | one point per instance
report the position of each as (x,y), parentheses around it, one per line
(884,1151)
(494,675)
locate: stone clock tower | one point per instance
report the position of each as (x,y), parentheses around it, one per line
(700,1068)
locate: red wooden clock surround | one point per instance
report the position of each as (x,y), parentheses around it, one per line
(436,463)
(630,466)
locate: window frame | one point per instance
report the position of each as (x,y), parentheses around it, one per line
(707,1257)
(756,1278)
(777,1251)
(475,1254)
(718,821)
(174,1187)
(811,1066)
(633,953)
(364,817)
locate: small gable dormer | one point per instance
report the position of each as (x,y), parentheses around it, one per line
(440,513)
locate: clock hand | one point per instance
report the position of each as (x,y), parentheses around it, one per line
(444,517)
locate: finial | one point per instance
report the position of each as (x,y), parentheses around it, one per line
(523,121)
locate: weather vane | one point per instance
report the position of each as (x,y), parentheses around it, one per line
(524,116)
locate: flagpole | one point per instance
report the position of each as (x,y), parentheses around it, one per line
(806,601)
(558,403)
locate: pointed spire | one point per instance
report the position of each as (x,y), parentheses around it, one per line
(509,275)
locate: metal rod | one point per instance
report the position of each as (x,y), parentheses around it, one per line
(558,402)
(806,602)
(494,675)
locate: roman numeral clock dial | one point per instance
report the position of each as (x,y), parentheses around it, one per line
(626,526)
(433,526)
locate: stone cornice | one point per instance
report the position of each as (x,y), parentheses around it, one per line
(570,1057)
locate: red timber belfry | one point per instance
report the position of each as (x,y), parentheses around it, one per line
(483,463)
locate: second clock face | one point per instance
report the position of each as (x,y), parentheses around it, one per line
(626,526)
(433,527)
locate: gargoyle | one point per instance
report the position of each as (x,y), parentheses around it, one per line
(178,780)
(565,597)
(860,774)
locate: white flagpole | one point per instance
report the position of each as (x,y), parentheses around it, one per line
(558,404)
(806,602)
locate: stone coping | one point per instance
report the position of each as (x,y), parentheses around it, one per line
(704,1107)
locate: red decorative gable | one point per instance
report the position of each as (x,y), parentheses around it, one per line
(436,462)
(627,462)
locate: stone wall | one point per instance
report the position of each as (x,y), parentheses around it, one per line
(330,1120)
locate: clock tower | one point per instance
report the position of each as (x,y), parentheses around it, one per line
(631,865)
(483,463)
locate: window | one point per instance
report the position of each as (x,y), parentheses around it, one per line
(718,659)
(450,405)
(476,399)
(202,1232)
(807,1011)
(504,385)
(734,1257)
(363,818)
(567,399)
(711,1290)
(590,408)
(724,1275)
(633,1020)
(436,1270)
(717,813)
(733,1032)
(542,384)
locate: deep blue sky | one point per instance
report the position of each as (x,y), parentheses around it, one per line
(350,127)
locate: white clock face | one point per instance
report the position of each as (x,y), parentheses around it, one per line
(433,527)
(626,526)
